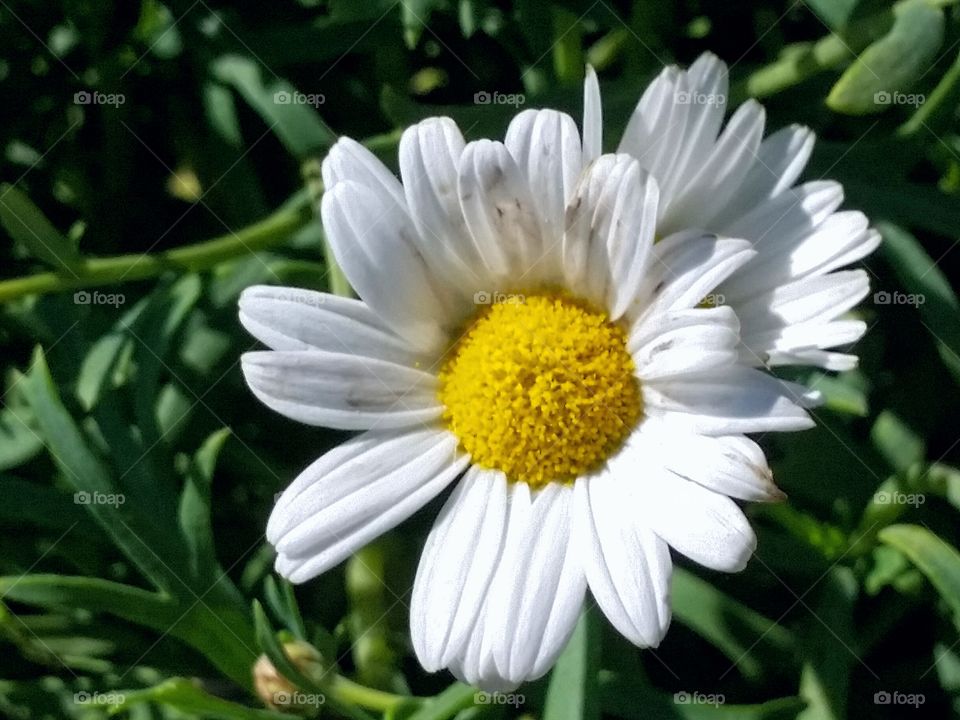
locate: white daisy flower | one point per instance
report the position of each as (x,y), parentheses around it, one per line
(790,299)
(518,329)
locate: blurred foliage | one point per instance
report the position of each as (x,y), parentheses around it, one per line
(154,156)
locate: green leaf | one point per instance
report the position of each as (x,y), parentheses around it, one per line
(138,606)
(572,692)
(186,696)
(933,556)
(195,509)
(19,440)
(834,13)
(899,445)
(747,638)
(28,225)
(297,124)
(931,291)
(625,697)
(892,64)
(91,479)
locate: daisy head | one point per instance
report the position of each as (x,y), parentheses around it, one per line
(730,179)
(520,335)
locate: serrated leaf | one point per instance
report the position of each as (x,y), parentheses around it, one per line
(893,63)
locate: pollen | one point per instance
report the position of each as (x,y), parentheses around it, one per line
(541,387)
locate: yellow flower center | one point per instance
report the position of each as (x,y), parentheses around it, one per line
(541,387)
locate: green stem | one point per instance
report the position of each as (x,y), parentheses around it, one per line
(350,692)
(455,698)
(190,258)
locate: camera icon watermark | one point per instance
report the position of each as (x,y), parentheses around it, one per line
(498,98)
(688,97)
(285,97)
(487,297)
(98,698)
(85,297)
(884,697)
(884,97)
(498,698)
(685,697)
(95,97)
(884,297)
(896,497)
(82,497)
(298,699)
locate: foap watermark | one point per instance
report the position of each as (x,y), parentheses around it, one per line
(687,97)
(885,697)
(296,698)
(311,299)
(86,97)
(698,698)
(498,98)
(884,297)
(98,698)
(884,97)
(498,698)
(83,497)
(84,297)
(896,497)
(285,97)
(486,297)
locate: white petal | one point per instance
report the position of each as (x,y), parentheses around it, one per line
(732,465)
(706,527)
(729,401)
(841,239)
(817,299)
(656,128)
(535,596)
(627,566)
(348,160)
(429,162)
(779,162)
(680,342)
(707,81)
(339,390)
(685,268)
(546,147)
(713,184)
(500,212)
(293,319)
(372,242)
(790,215)
(357,492)
(456,566)
(592,118)
(611,223)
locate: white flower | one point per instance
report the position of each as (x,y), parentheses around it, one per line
(738,184)
(519,330)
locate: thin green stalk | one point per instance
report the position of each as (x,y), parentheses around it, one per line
(350,692)
(938,110)
(190,258)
